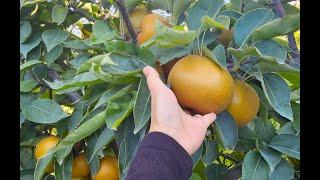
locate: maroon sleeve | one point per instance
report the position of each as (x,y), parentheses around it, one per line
(159,157)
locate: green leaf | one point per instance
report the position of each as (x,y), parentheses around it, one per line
(231,14)
(218,55)
(83,131)
(101,33)
(59,14)
(62,154)
(116,113)
(53,38)
(277,27)
(84,79)
(179,6)
(211,152)
(25,31)
(166,37)
(44,111)
(28,85)
(254,167)
(287,128)
(64,171)
(196,157)
(246,139)
(264,129)
(273,49)
(27,160)
(226,129)
(31,43)
(79,60)
(164,55)
(42,164)
(200,9)
(142,107)
(35,53)
(290,9)
(296,116)
(271,156)
(128,142)
(104,139)
(287,144)
(282,69)
(29,64)
(195,176)
(292,77)
(247,24)
(216,171)
(284,171)
(220,22)
(86,66)
(247,51)
(53,54)
(76,116)
(277,93)
(76,44)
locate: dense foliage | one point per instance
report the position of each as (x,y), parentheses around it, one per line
(81,80)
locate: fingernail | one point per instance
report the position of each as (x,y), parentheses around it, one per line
(146,70)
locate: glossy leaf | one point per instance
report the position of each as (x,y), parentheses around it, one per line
(53,54)
(42,164)
(53,38)
(90,141)
(165,55)
(59,14)
(211,152)
(104,139)
(28,85)
(83,131)
(284,171)
(25,31)
(287,128)
(296,116)
(64,171)
(195,176)
(220,55)
(27,160)
(231,14)
(29,64)
(196,157)
(277,93)
(62,154)
(79,60)
(200,9)
(273,49)
(31,43)
(43,111)
(167,37)
(271,156)
(226,129)
(246,140)
(116,113)
(87,78)
(75,44)
(264,130)
(247,24)
(254,167)
(128,142)
(87,65)
(216,171)
(220,22)
(101,32)
(287,144)
(142,107)
(277,27)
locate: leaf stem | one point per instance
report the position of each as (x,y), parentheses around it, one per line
(227,156)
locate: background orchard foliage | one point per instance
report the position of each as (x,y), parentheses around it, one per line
(81,79)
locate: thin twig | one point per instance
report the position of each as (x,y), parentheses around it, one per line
(278,8)
(126,19)
(73,96)
(227,156)
(81,12)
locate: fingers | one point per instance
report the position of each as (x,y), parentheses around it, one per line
(208,118)
(154,82)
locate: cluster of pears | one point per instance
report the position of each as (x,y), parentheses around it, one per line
(109,168)
(198,83)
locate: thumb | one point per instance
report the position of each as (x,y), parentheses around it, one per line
(208,118)
(153,80)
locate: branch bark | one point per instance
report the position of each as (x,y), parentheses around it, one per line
(73,96)
(126,18)
(81,12)
(278,8)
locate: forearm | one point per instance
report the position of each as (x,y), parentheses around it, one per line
(159,156)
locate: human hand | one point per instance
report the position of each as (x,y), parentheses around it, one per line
(168,117)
